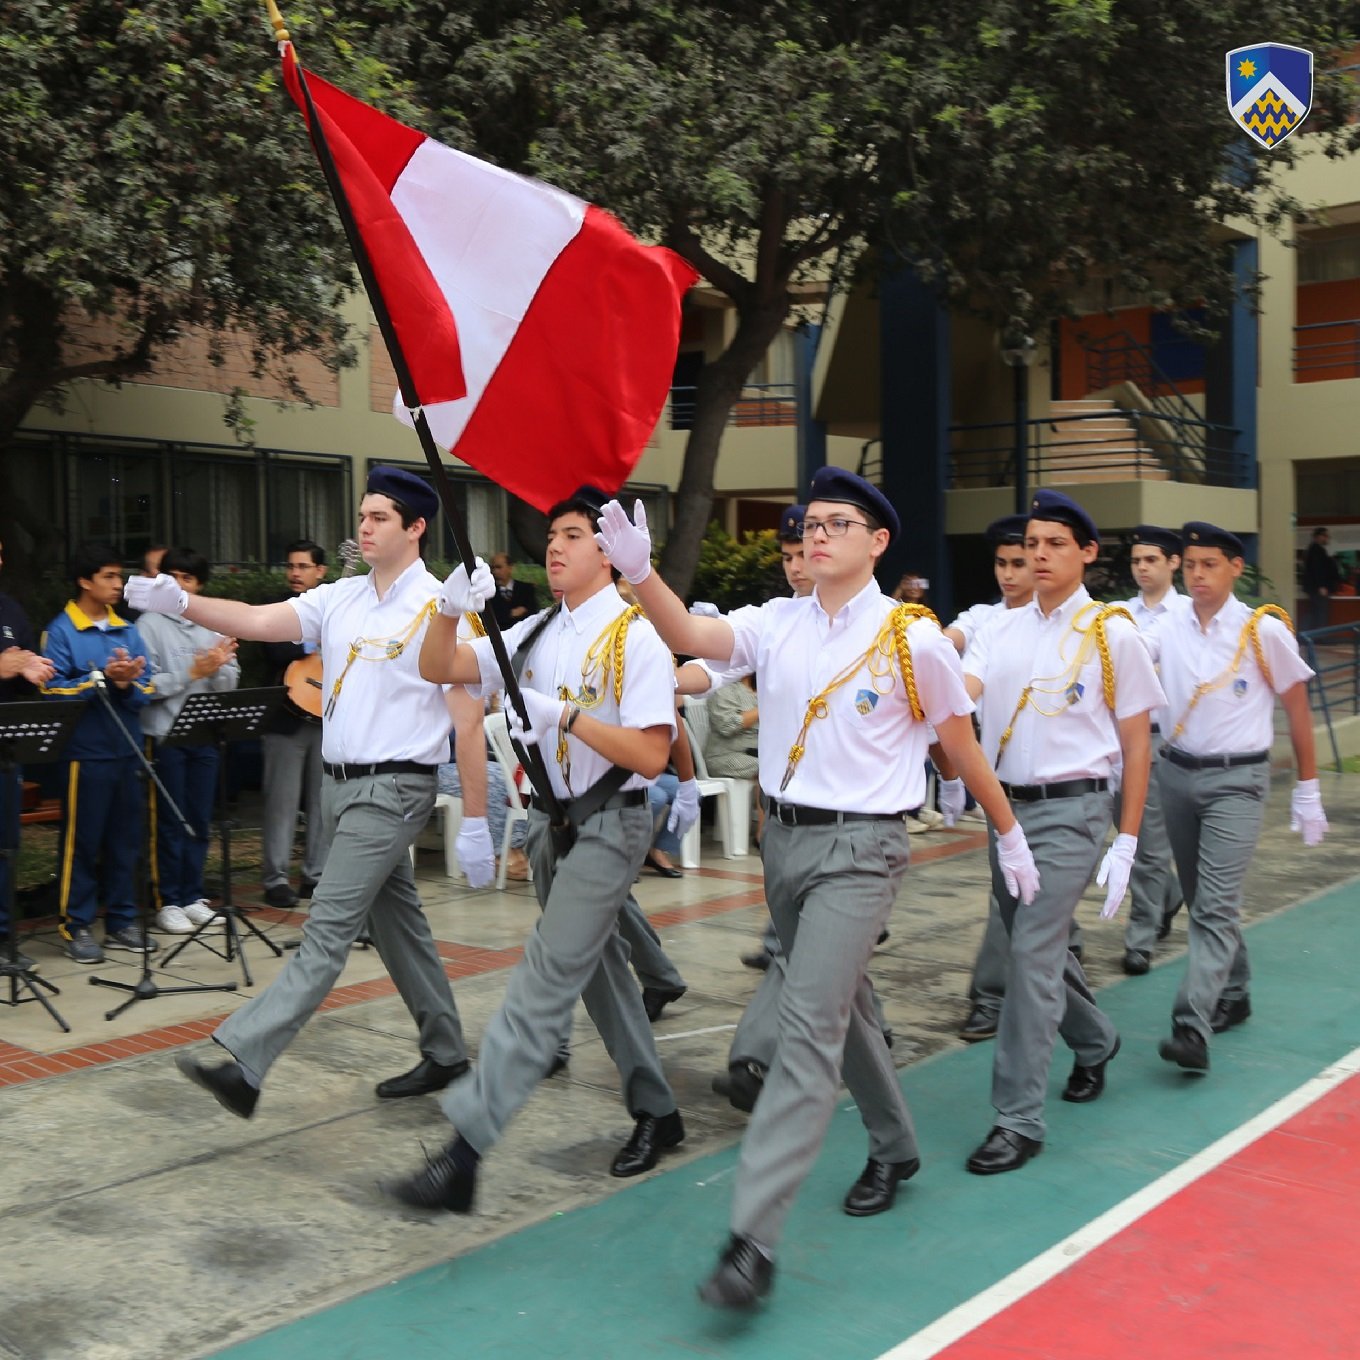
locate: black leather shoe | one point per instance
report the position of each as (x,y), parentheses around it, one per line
(280,895)
(226,1082)
(1164,929)
(981,1024)
(760,960)
(877,1186)
(1230,1013)
(1136,962)
(656,999)
(559,1063)
(1186,1048)
(426,1076)
(1086,1083)
(442,1183)
(1003,1150)
(743,1277)
(306,888)
(742,1084)
(662,870)
(652,1135)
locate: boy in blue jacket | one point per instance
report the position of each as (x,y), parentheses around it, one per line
(90,646)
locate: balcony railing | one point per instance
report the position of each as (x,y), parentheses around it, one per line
(1327,350)
(759,404)
(1334,655)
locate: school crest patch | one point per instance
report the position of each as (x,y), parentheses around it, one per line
(866,700)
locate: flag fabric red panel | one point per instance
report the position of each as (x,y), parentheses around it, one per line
(566,326)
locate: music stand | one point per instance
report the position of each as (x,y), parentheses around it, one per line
(33,732)
(220,718)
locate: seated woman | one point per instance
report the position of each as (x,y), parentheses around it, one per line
(733,731)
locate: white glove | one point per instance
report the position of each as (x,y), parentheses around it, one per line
(1305,812)
(705,610)
(545,714)
(626,543)
(462,594)
(476,854)
(156,595)
(685,809)
(1018,870)
(1115,869)
(953,797)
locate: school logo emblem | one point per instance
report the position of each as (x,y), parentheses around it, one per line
(1270,90)
(1239,688)
(1074,692)
(865,702)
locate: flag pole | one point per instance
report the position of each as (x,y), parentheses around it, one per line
(530,755)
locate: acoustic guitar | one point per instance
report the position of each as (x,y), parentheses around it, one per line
(303,678)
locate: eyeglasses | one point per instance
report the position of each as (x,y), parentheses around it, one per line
(832,528)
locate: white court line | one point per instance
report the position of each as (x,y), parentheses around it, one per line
(691,1033)
(958,1322)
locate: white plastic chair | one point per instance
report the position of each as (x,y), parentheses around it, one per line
(498,734)
(732,817)
(448,813)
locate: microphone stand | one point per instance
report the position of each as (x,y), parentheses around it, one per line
(145,988)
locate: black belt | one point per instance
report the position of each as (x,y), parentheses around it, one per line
(344,771)
(1061,788)
(628,798)
(1189,762)
(794,814)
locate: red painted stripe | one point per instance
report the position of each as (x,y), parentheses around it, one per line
(1257,1258)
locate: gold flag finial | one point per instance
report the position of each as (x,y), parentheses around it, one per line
(276,19)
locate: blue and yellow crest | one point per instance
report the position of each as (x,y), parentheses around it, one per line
(866,700)
(1074,691)
(1270,90)
(1239,687)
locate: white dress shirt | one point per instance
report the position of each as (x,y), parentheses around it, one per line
(556,659)
(1237,717)
(868,753)
(385,711)
(1149,619)
(976,617)
(1071,734)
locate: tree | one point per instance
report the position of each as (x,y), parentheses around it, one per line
(1007,149)
(153,177)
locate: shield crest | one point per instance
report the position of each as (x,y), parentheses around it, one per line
(1270,90)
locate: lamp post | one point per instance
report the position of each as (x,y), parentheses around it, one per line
(1018,349)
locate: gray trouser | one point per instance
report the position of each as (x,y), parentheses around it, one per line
(650,961)
(367,881)
(574,951)
(988,987)
(831,891)
(1214,819)
(1046,992)
(1153,887)
(292,768)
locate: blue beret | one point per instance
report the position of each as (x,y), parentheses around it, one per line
(836,484)
(414,492)
(1168,540)
(1056,508)
(1007,529)
(1198,534)
(791,524)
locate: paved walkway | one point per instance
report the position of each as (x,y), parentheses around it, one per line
(144,1222)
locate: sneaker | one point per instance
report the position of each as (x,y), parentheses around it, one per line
(973,814)
(930,817)
(21,960)
(132,938)
(173,921)
(200,913)
(915,826)
(82,946)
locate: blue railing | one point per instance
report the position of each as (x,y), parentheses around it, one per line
(759,404)
(1334,655)
(1322,347)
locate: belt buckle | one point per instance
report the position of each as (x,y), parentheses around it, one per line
(340,771)
(791,819)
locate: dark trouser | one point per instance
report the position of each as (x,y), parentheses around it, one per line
(101,838)
(9,835)
(189,774)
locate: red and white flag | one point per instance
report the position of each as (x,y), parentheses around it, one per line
(540,335)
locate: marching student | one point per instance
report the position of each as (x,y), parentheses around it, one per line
(1222,664)
(1065,688)
(848,680)
(599,688)
(1154,891)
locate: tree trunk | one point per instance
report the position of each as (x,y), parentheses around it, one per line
(720,384)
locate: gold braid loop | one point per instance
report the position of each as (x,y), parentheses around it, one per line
(899,620)
(386,649)
(1110,611)
(474,622)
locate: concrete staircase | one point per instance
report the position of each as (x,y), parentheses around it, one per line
(1100,448)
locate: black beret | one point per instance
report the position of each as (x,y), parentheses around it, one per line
(1154,536)
(791,524)
(414,492)
(1056,508)
(1198,534)
(844,487)
(1007,529)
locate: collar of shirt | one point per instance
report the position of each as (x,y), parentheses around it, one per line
(598,610)
(849,612)
(416,572)
(1064,612)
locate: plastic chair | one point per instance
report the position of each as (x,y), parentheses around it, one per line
(732,817)
(498,734)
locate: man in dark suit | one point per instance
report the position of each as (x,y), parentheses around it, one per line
(513,600)
(1321,576)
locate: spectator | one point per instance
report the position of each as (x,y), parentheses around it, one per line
(1320,579)
(733,731)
